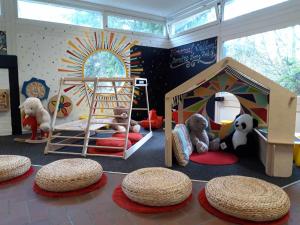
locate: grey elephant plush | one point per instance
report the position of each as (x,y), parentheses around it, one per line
(197,125)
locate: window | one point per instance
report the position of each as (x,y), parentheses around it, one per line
(202,18)
(123,23)
(104,64)
(275,54)
(58,14)
(234,8)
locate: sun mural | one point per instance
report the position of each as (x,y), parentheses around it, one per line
(103,55)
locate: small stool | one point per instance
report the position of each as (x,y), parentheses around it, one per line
(156,186)
(12,166)
(68,175)
(247,198)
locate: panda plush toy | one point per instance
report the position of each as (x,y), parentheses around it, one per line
(242,141)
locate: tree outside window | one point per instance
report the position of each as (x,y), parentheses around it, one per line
(275,54)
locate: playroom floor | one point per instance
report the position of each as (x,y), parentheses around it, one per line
(19,205)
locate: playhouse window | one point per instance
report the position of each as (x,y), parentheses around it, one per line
(197,20)
(133,24)
(235,8)
(58,14)
(275,54)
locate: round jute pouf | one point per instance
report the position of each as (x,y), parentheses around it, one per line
(247,198)
(13,166)
(68,175)
(156,186)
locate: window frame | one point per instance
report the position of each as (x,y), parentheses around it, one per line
(21,20)
(185,16)
(223,3)
(107,14)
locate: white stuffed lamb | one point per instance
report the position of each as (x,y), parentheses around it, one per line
(33,107)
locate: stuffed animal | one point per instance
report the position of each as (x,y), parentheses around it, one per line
(242,141)
(122,114)
(33,108)
(197,125)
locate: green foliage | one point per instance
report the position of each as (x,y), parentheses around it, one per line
(85,18)
(104,64)
(135,25)
(275,54)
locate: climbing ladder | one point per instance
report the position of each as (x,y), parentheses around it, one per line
(81,133)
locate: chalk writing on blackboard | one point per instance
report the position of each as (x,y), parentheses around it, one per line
(203,52)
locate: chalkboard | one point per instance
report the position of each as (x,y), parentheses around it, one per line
(188,60)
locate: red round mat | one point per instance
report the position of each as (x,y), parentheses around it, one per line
(205,204)
(124,202)
(133,137)
(214,158)
(102,181)
(19,178)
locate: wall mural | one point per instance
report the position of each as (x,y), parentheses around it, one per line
(3,45)
(188,60)
(35,88)
(252,101)
(101,54)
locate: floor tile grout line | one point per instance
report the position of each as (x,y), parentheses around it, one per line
(200,181)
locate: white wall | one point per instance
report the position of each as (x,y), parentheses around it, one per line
(5,118)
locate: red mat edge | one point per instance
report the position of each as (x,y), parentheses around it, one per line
(215,164)
(19,178)
(228,218)
(124,202)
(100,183)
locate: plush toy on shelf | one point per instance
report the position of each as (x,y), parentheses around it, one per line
(197,125)
(35,116)
(242,141)
(122,114)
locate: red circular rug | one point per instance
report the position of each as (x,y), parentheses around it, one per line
(124,202)
(214,158)
(102,181)
(19,178)
(205,204)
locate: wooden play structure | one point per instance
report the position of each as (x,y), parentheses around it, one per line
(272,105)
(82,134)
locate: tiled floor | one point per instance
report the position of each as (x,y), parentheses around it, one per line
(19,205)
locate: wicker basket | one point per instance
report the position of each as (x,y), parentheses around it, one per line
(68,175)
(157,186)
(247,198)
(12,166)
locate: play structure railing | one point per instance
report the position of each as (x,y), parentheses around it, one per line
(90,128)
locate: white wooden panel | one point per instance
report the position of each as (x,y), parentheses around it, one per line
(5,118)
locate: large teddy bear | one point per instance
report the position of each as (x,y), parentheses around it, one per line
(33,107)
(122,117)
(202,141)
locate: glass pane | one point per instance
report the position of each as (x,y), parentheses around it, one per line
(122,23)
(197,20)
(104,64)
(234,8)
(275,54)
(58,14)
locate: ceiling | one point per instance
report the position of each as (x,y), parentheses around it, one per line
(163,8)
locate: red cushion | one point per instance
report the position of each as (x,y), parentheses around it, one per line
(154,123)
(111,142)
(133,137)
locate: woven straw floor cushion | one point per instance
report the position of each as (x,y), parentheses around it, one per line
(68,175)
(156,186)
(12,166)
(247,198)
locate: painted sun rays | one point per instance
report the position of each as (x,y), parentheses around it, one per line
(80,49)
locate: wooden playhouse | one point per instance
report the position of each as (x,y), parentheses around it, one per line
(272,105)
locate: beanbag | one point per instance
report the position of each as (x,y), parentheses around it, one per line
(111,142)
(133,137)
